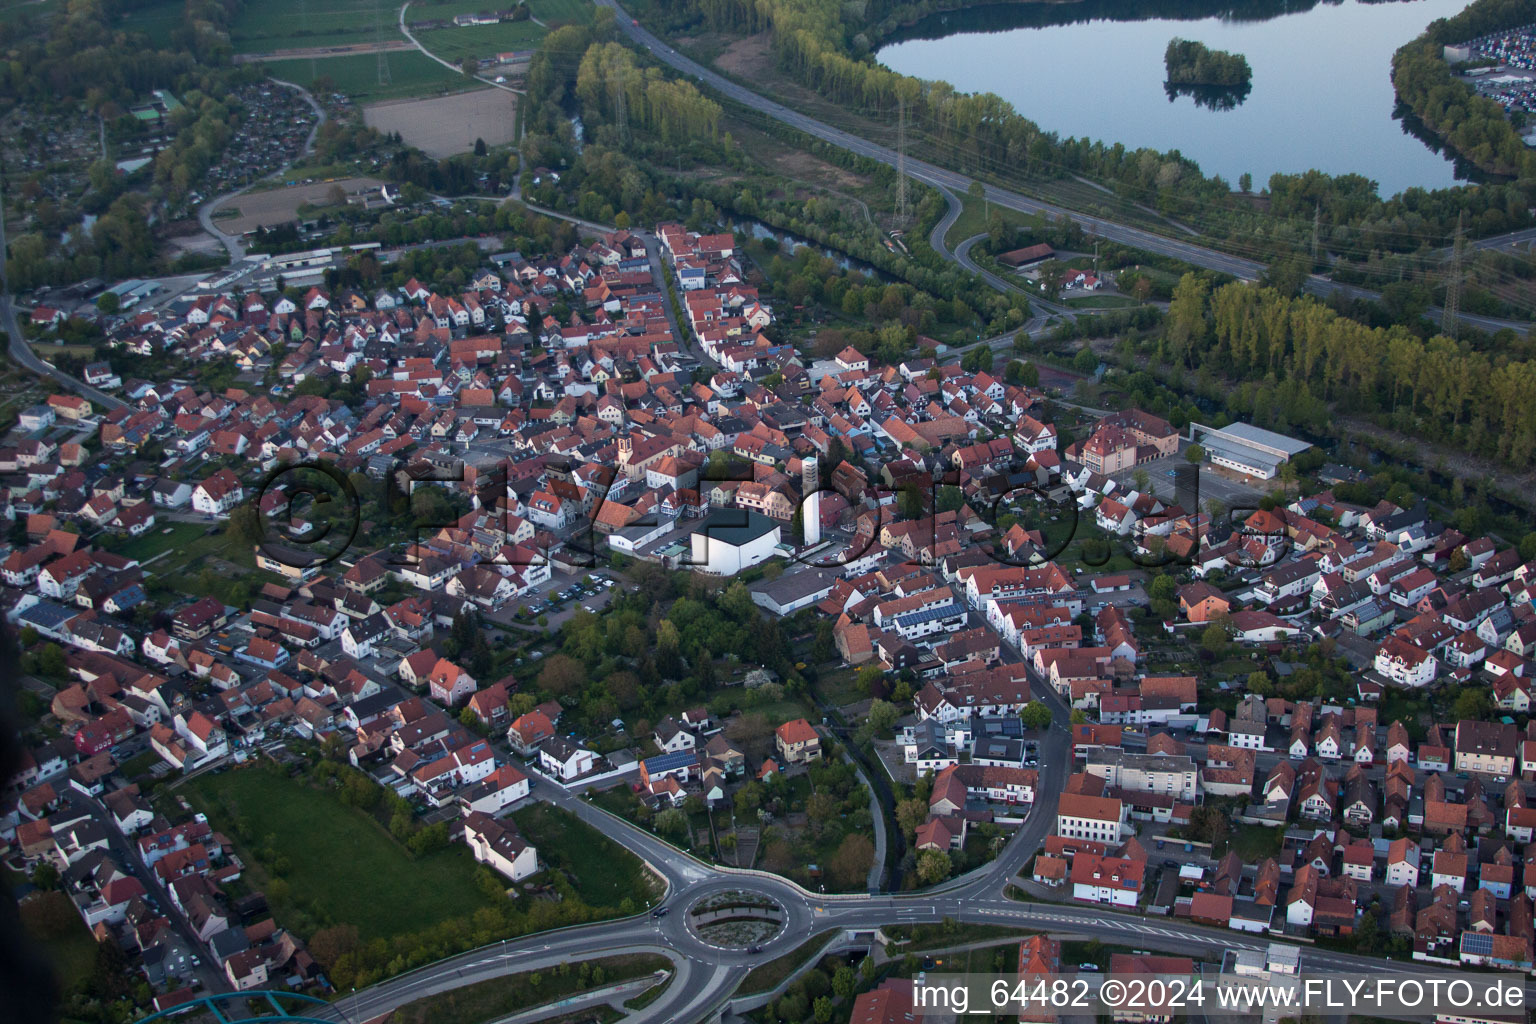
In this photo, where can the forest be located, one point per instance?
(608, 80)
(1436, 388)
(1193, 63)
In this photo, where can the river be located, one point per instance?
(1321, 94)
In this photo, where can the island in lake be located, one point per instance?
(1191, 63)
(1213, 78)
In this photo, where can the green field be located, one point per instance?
(342, 867)
(410, 74)
(601, 870)
(15, 11)
(286, 24)
(161, 537)
(51, 919)
(156, 20)
(973, 219)
(553, 12)
(1101, 302)
(454, 44)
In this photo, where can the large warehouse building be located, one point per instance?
(1250, 450)
(731, 540)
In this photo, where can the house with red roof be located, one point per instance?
(797, 742)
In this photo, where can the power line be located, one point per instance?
(378, 41)
(901, 161)
(1449, 316)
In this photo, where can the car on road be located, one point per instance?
(1087, 967)
(754, 949)
(659, 912)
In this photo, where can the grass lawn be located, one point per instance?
(410, 74)
(552, 12)
(500, 997)
(973, 219)
(51, 919)
(342, 867)
(982, 960)
(1072, 557)
(140, 765)
(769, 976)
(160, 538)
(602, 871)
(52, 350)
(943, 936)
(840, 687)
(1102, 302)
(1255, 842)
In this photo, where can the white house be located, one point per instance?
(218, 494)
(499, 845)
(563, 759)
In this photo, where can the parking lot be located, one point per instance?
(556, 600)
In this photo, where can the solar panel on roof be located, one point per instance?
(670, 762)
(927, 615)
(1477, 943)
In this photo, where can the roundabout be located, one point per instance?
(736, 919)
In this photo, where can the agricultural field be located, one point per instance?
(280, 205)
(485, 41)
(285, 24)
(550, 12)
(410, 74)
(155, 20)
(561, 12)
(446, 125)
(481, 41)
(16, 10)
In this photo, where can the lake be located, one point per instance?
(1321, 94)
